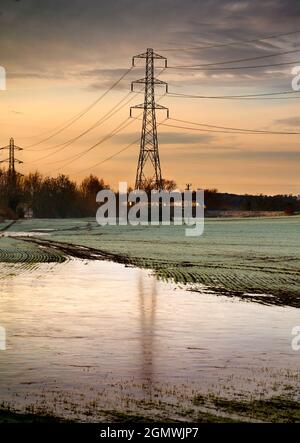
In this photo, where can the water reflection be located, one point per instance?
(147, 294)
(101, 329)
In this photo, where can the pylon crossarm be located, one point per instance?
(154, 55)
(142, 55)
(4, 161)
(158, 56)
(156, 81)
(141, 106)
(163, 108)
(140, 81)
(157, 106)
(145, 106)
(161, 82)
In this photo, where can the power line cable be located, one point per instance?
(259, 57)
(257, 98)
(203, 130)
(119, 128)
(208, 130)
(116, 153)
(131, 118)
(82, 113)
(224, 97)
(110, 157)
(236, 42)
(98, 123)
(72, 139)
(271, 65)
(227, 130)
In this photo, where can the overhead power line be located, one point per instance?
(75, 157)
(74, 138)
(227, 62)
(82, 113)
(225, 97)
(114, 132)
(230, 68)
(110, 157)
(234, 43)
(103, 119)
(116, 153)
(225, 129)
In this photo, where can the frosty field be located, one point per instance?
(257, 258)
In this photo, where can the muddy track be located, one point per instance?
(78, 251)
(4, 228)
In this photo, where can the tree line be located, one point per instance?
(215, 200)
(48, 197)
(61, 197)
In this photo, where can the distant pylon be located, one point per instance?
(11, 160)
(149, 141)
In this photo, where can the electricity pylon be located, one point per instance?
(11, 160)
(149, 141)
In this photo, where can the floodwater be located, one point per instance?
(85, 337)
(25, 234)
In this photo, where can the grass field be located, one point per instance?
(274, 410)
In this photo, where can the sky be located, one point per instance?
(61, 56)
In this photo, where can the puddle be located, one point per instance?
(102, 331)
(25, 234)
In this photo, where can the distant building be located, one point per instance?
(26, 210)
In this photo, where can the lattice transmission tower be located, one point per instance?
(149, 152)
(11, 160)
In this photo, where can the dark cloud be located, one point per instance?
(291, 121)
(103, 78)
(111, 73)
(35, 75)
(269, 156)
(245, 155)
(65, 35)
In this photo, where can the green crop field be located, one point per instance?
(254, 258)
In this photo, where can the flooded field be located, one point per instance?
(143, 323)
(98, 340)
(234, 257)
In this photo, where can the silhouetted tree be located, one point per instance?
(89, 189)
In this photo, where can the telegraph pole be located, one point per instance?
(11, 160)
(149, 141)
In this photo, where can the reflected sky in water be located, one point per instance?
(109, 329)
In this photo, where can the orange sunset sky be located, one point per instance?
(60, 56)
